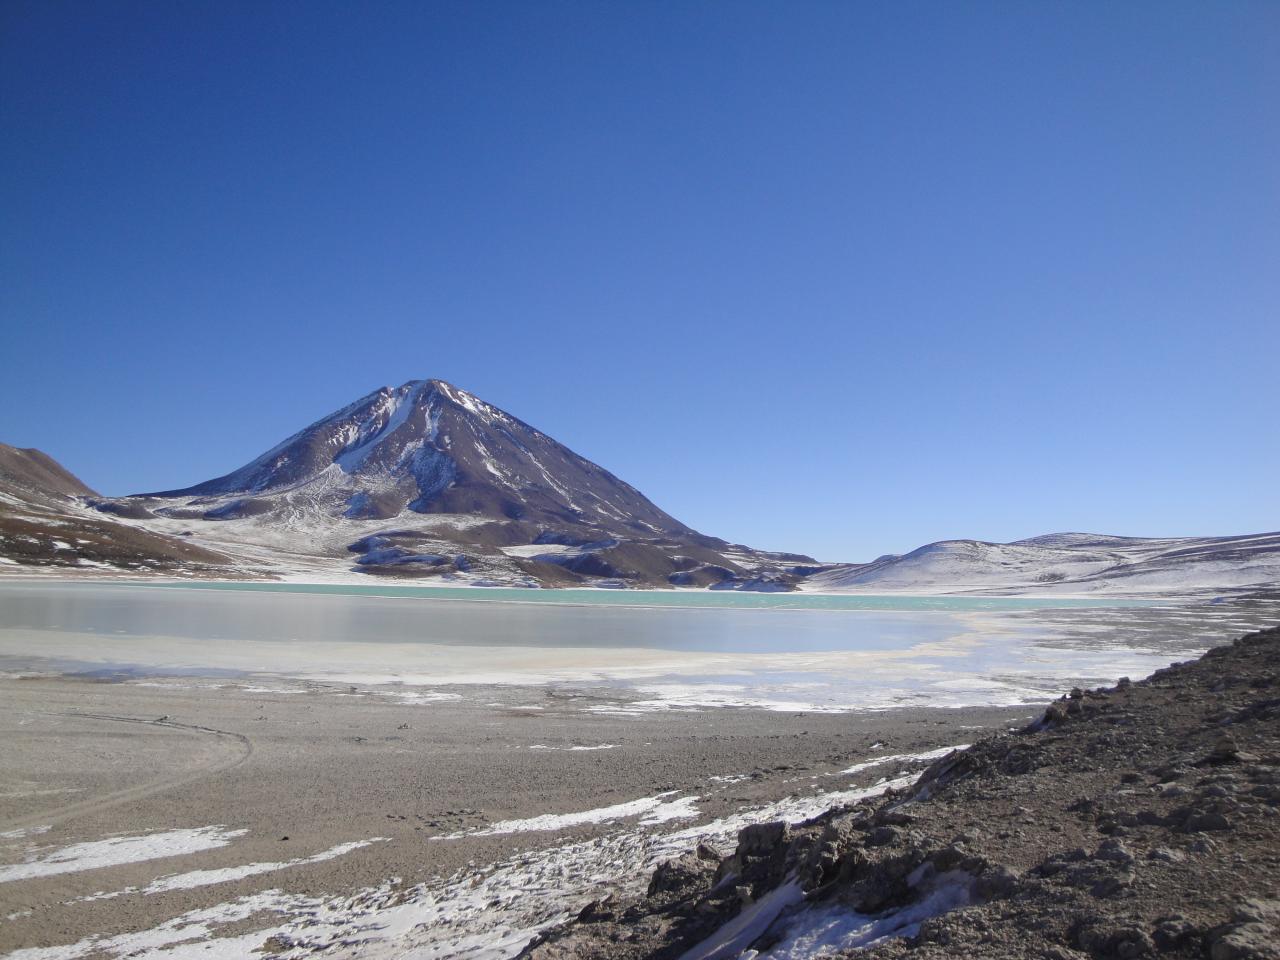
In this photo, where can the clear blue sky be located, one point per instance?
(834, 277)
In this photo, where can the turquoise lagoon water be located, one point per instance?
(812, 650)
(399, 616)
(702, 599)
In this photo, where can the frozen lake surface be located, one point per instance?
(649, 650)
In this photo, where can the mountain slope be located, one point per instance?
(46, 525)
(29, 473)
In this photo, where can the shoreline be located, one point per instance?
(639, 657)
(1086, 601)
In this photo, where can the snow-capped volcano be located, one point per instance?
(428, 447)
(427, 480)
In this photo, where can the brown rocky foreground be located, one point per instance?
(1142, 820)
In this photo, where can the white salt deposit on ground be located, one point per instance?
(903, 758)
(94, 854)
(651, 809)
(203, 878)
(575, 748)
(487, 913)
(825, 930)
(479, 914)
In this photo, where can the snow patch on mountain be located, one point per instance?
(1065, 563)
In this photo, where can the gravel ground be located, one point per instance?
(304, 768)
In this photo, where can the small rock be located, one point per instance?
(760, 839)
(1114, 851)
(1113, 885)
(1205, 822)
(1225, 751)
(1256, 910)
(601, 909)
(679, 875)
(999, 881)
(705, 851)
(881, 836)
(1174, 931)
(1243, 941)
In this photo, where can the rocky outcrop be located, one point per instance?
(1137, 821)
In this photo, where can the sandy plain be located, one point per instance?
(283, 775)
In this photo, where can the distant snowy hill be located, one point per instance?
(1065, 563)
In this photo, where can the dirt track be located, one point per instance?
(240, 749)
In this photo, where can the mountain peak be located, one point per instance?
(428, 446)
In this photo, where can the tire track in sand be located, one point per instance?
(241, 750)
